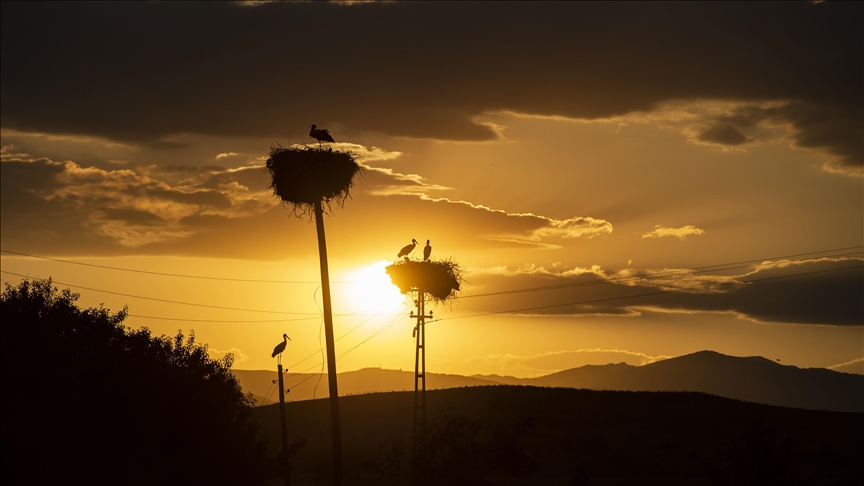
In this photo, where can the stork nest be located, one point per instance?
(440, 280)
(303, 176)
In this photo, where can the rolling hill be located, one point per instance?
(521, 435)
(752, 379)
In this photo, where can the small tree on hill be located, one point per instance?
(88, 401)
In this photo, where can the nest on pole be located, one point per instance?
(303, 176)
(440, 280)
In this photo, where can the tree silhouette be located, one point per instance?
(89, 401)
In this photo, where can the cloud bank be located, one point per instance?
(170, 68)
(822, 291)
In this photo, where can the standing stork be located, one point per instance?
(280, 347)
(407, 248)
(320, 134)
(427, 251)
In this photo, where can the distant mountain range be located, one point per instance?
(751, 379)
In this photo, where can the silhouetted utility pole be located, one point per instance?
(305, 179)
(331, 350)
(419, 442)
(285, 459)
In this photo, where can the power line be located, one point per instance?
(384, 328)
(718, 267)
(164, 274)
(107, 267)
(169, 301)
(389, 323)
(550, 306)
(317, 315)
(380, 330)
(240, 321)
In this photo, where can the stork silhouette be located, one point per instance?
(277, 351)
(320, 134)
(427, 251)
(407, 248)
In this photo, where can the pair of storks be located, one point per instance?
(409, 248)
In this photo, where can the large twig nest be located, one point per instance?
(438, 279)
(303, 176)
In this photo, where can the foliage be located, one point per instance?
(87, 400)
(389, 466)
(761, 457)
(506, 451)
(303, 176)
(452, 454)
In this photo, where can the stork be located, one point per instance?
(320, 134)
(427, 251)
(407, 248)
(280, 347)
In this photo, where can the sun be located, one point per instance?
(371, 289)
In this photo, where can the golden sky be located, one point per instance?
(684, 176)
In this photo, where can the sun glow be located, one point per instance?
(372, 289)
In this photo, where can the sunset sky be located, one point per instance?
(685, 176)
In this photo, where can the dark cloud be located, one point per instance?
(29, 222)
(814, 292)
(723, 134)
(833, 128)
(142, 71)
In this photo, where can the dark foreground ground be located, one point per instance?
(511, 435)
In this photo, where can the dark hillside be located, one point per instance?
(754, 379)
(635, 438)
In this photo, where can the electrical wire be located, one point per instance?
(269, 392)
(164, 274)
(337, 340)
(718, 267)
(212, 321)
(704, 269)
(169, 301)
(383, 328)
(193, 304)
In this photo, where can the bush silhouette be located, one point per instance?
(89, 401)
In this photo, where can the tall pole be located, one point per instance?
(419, 442)
(285, 460)
(331, 350)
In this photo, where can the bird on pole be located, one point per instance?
(427, 251)
(281, 346)
(407, 248)
(320, 134)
